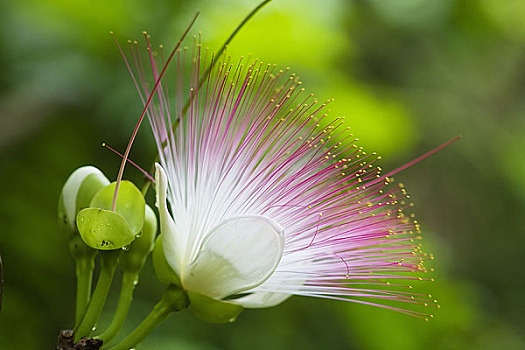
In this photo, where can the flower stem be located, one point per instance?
(84, 273)
(173, 299)
(129, 280)
(108, 262)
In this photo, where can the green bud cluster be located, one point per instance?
(124, 236)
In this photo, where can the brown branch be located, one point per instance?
(66, 341)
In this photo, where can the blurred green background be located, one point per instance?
(407, 74)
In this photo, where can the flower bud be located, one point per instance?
(79, 189)
(134, 258)
(105, 229)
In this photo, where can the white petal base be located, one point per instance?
(237, 255)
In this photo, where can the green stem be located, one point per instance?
(147, 183)
(84, 272)
(108, 262)
(129, 280)
(173, 299)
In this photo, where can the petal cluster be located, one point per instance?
(263, 204)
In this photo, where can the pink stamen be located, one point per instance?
(346, 264)
(250, 142)
(415, 161)
(146, 106)
(150, 178)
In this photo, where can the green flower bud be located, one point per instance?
(134, 258)
(211, 310)
(130, 203)
(104, 229)
(164, 272)
(79, 189)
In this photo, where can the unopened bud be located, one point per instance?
(104, 229)
(79, 189)
(134, 258)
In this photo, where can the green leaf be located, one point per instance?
(211, 310)
(130, 203)
(104, 229)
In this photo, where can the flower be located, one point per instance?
(263, 203)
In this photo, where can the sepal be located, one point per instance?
(174, 298)
(104, 229)
(130, 203)
(212, 310)
(164, 272)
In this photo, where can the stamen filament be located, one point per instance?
(206, 74)
(148, 176)
(146, 106)
(415, 161)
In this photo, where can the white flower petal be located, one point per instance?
(173, 250)
(238, 254)
(261, 299)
